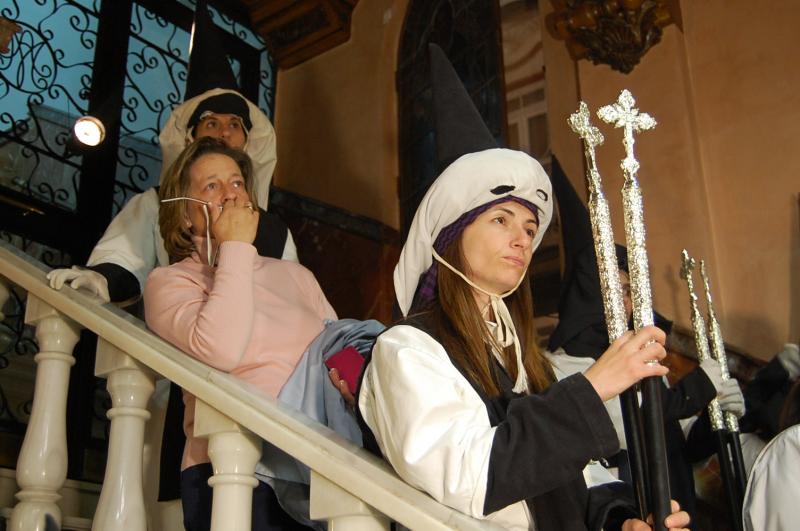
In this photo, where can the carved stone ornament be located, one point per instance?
(613, 32)
(7, 30)
(297, 30)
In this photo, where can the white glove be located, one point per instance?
(731, 398)
(78, 277)
(790, 359)
(714, 372)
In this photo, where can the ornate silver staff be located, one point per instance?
(700, 338)
(718, 353)
(623, 114)
(714, 411)
(611, 289)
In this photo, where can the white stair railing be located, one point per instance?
(350, 488)
(121, 503)
(42, 463)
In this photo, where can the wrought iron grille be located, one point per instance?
(155, 83)
(45, 81)
(44, 84)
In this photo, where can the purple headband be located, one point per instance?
(426, 289)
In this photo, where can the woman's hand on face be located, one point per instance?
(677, 521)
(625, 362)
(238, 221)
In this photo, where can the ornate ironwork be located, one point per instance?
(15, 337)
(158, 53)
(43, 91)
(47, 255)
(45, 83)
(610, 32)
(17, 345)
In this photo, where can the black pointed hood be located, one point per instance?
(581, 329)
(458, 124)
(208, 65)
(576, 227)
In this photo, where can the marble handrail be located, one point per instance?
(342, 470)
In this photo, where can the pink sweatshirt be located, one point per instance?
(250, 316)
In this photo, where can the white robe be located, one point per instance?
(433, 427)
(772, 498)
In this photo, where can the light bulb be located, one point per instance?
(89, 130)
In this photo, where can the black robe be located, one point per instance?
(568, 422)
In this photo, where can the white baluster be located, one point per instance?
(342, 510)
(121, 503)
(234, 452)
(42, 463)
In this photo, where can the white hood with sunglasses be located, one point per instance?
(261, 145)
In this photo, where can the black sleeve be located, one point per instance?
(546, 440)
(764, 398)
(688, 397)
(122, 284)
(609, 506)
(700, 443)
(270, 235)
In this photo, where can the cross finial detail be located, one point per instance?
(623, 114)
(580, 123)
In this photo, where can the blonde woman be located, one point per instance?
(223, 304)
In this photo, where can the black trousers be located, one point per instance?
(196, 497)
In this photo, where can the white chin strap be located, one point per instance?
(212, 259)
(505, 332)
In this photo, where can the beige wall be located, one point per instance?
(717, 173)
(336, 118)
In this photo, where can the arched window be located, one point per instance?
(469, 33)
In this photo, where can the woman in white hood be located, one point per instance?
(458, 397)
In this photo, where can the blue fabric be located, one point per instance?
(310, 391)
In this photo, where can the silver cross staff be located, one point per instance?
(731, 422)
(717, 345)
(600, 216)
(623, 114)
(611, 291)
(700, 337)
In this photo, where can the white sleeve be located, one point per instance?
(130, 239)
(770, 502)
(429, 423)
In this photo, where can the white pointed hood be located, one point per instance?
(261, 144)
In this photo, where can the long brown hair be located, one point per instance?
(459, 325)
(172, 216)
